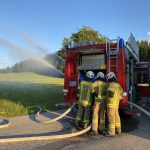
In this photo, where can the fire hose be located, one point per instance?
(55, 113)
(139, 108)
(51, 137)
(7, 122)
(57, 118)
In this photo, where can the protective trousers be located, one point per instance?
(98, 118)
(83, 113)
(114, 125)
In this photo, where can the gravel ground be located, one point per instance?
(135, 136)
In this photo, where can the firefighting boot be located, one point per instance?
(108, 135)
(93, 133)
(77, 124)
(85, 125)
(118, 131)
(102, 131)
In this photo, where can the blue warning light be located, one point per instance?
(121, 43)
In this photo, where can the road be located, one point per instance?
(135, 136)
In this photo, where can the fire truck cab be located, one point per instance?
(115, 55)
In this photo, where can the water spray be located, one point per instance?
(34, 44)
(26, 53)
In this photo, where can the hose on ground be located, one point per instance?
(58, 114)
(7, 121)
(57, 118)
(51, 137)
(6, 124)
(139, 108)
(37, 138)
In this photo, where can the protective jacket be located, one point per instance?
(85, 93)
(84, 106)
(114, 95)
(99, 87)
(99, 109)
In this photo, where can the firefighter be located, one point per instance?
(85, 101)
(114, 95)
(99, 108)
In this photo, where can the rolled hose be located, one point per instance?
(139, 108)
(7, 124)
(37, 138)
(57, 118)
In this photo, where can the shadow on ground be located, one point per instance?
(129, 123)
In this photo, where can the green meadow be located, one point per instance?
(22, 93)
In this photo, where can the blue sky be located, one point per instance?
(47, 21)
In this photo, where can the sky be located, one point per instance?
(47, 22)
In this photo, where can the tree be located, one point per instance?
(86, 34)
(65, 42)
(144, 50)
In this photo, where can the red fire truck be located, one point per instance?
(115, 55)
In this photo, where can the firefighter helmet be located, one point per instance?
(111, 75)
(90, 74)
(100, 75)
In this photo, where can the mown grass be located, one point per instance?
(21, 92)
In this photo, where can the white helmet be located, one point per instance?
(111, 75)
(100, 75)
(90, 74)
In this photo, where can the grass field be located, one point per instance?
(20, 92)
